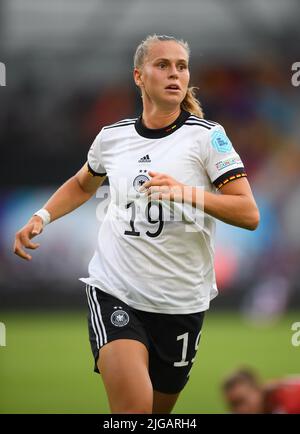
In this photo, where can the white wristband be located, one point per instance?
(45, 216)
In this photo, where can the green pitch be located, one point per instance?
(47, 364)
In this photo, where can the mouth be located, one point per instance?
(173, 88)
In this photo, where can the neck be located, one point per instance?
(158, 117)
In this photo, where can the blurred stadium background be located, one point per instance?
(68, 66)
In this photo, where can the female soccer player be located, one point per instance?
(152, 275)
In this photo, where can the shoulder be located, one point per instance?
(200, 123)
(113, 131)
(117, 129)
(205, 131)
(120, 124)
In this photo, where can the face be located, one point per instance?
(244, 399)
(165, 76)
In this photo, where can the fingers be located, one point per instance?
(157, 179)
(156, 192)
(153, 181)
(157, 175)
(31, 245)
(20, 252)
(158, 189)
(23, 238)
(163, 187)
(151, 173)
(36, 229)
(166, 193)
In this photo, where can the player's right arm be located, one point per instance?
(73, 193)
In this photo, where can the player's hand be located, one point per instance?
(23, 236)
(163, 187)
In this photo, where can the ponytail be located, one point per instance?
(191, 103)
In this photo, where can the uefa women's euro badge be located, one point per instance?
(221, 142)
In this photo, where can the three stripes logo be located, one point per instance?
(145, 159)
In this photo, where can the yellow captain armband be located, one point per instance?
(230, 178)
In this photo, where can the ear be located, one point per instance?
(137, 77)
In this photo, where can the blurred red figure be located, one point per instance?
(283, 396)
(245, 394)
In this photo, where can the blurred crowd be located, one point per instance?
(259, 108)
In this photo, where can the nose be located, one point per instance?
(173, 73)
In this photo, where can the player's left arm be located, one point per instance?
(235, 205)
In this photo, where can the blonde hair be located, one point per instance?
(190, 102)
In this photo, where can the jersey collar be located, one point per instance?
(158, 133)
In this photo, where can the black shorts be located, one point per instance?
(172, 340)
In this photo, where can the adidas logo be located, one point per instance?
(145, 159)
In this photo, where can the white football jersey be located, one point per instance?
(158, 256)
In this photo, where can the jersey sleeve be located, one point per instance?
(94, 158)
(223, 164)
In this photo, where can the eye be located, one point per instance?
(182, 66)
(161, 65)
